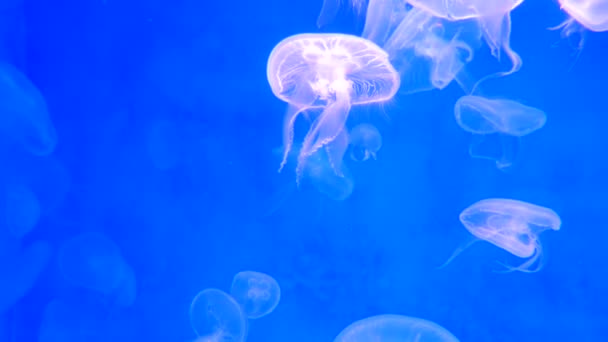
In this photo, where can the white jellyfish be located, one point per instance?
(512, 225)
(390, 328)
(215, 316)
(257, 293)
(583, 15)
(508, 119)
(328, 73)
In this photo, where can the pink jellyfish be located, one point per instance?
(330, 73)
(583, 15)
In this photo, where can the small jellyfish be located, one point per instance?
(216, 317)
(93, 261)
(508, 120)
(511, 225)
(327, 73)
(394, 328)
(365, 141)
(25, 119)
(257, 293)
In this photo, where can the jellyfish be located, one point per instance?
(511, 225)
(257, 293)
(216, 316)
(583, 15)
(365, 141)
(330, 9)
(508, 120)
(327, 73)
(395, 328)
(93, 261)
(25, 118)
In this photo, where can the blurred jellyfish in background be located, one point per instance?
(327, 73)
(94, 262)
(215, 317)
(508, 120)
(395, 328)
(257, 293)
(364, 142)
(512, 225)
(25, 119)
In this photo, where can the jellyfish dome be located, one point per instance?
(215, 316)
(592, 14)
(257, 293)
(365, 141)
(393, 328)
(511, 225)
(328, 72)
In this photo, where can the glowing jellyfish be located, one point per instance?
(508, 119)
(389, 328)
(511, 225)
(365, 141)
(330, 73)
(216, 317)
(25, 119)
(257, 293)
(583, 15)
(93, 261)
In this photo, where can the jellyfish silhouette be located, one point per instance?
(257, 293)
(512, 225)
(394, 328)
(508, 120)
(216, 316)
(25, 119)
(330, 73)
(364, 141)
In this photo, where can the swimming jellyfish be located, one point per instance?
(217, 317)
(257, 293)
(25, 119)
(583, 15)
(365, 141)
(394, 328)
(508, 119)
(511, 225)
(328, 73)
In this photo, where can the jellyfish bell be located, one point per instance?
(257, 293)
(504, 119)
(394, 328)
(591, 14)
(331, 73)
(511, 225)
(215, 316)
(365, 141)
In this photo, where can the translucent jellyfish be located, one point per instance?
(331, 7)
(494, 18)
(365, 141)
(92, 261)
(257, 293)
(509, 120)
(327, 73)
(428, 52)
(387, 328)
(511, 225)
(216, 317)
(583, 15)
(25, 119)
(20, 210)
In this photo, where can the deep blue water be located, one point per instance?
(167, 136)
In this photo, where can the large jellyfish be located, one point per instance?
(583, 15)
(257, 293)
(511, 225)
(327, 72)
(507, 119)
(394, 328)
(25, 119)
(364, 141)
(217, 317)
